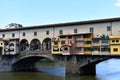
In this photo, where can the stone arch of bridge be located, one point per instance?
(46, 44)
(35, 44)
(27, 63)
(89, 66)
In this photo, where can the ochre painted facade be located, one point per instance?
(114, 45)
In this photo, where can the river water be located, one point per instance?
(107, 70)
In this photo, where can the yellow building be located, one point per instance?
(55, 46)
(87, 42)
(114, 45)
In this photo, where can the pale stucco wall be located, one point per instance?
(99, 29)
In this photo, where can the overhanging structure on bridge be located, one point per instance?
(78, 45)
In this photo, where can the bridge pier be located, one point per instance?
(82, 65)
(59, 60)
(88, 70)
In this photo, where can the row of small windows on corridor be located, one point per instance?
(24, 34)
(91, 29)
(35, 33)
(60, 31)
(13, 35)
(108, 28)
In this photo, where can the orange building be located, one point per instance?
(74, 44)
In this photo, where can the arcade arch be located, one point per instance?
(24, 45)
(46, 44)
(35, 45)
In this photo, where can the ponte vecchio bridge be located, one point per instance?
(77, 45)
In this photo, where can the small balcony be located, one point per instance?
(88, 52)
(95, 52)
(79, 52)
(87, 39)
(62, 39)
(79, 45)
(71, 39)
(66, 52)
(87, 45)
(105, 53)
(102, 44)
(79, 39)
(96, 44)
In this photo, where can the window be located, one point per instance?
(62, 36)
(96, 49)
(115, 49)
(11, 44)
(105, 49)
(13, 34)
(79, 36)
(78, 49)
(87, 49)
(66, 48)
(91, 29)
(87, 36)
(24, 34)
(117, 41)
(6, 43)
(35, 33)
(78, 42)
(3, 35)
(113, 41)
(87, 42)
(60, 31)
(108, 28)
(95, 41)
(62, 42)
(69, 37)
(75, 31)
(47, 32)
(105, 41)
(55, 42)
(55, 49)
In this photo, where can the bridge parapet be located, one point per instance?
(46, 54)
(30, 51)
(25, 53)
